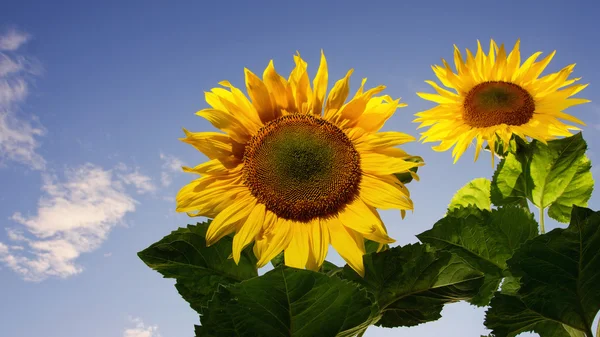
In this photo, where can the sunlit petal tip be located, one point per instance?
(225, 83)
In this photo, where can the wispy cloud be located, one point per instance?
(141, 182)
(18, 136)
(13, 40)
(140, 329)
(170, 165)
(74, 216)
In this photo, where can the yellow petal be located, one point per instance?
(300, 85)
(296, 253)
(383, 195)
(228, 123)
(212, 167)
(248, 231)
(279, 89)
(380, 164)
(278, 241)
(443, 92)
(377, 112)
(247, 117)
(338, 94)
(356, 107)
(202, 194)
(243, 102)
(436, 98)
(382, 140)
(259, 94)
(320, 86)
(359, 217)
(348, 244)
(224, 223)
(513, 61)
(212, 144)
(319, 242)
(538, 67)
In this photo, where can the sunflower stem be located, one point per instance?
(542, 228)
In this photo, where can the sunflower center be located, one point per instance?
(495, 103)
(302, 167)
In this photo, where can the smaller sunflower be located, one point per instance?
(494, 97)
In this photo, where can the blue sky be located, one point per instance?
(93, 98)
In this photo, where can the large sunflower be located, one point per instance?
(292, 179)
(495, 97)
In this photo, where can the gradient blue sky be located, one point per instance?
(93, 98)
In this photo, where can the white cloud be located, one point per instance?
(140, 329)
(18, 137)
(170, 164)
(142, 182)
(165, 179)
(109, 254)
(74, 216)
(12, 40)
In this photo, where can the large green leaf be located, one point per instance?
(412, 283)
(560, 282)
(578, 192)
(476, 192)
(288, 302)
(484, 240)
(556, 175)
(199, 270)
(509, 316)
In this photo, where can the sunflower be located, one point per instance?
(295, 173)
(494, 97)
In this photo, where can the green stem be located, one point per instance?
(598, 330)
(542, 228)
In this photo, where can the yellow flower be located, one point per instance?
(292, 179)
(494, 97)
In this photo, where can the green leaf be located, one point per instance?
(484, 240)
(556, 175)
(476, 192)
(553, 167)
(511, 179)
(508, 316)
(330, 268)
(560, 281)
(288, 302)
(278, 260)
(510, 285)
(199, 270)
(578, 192)
(412, 283)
